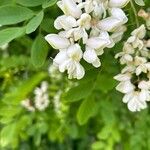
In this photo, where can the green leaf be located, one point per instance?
(10, 34)
(30, 3)
(49, 3)
(24, 89)
(105, 82)
(79, 92)
(140, 2)
(98, 145)
(86, 110)
(7, 134)
(34, 23)
(48, 25)
(14, 14)
(9, 111)
(39, 51)
(5, 2)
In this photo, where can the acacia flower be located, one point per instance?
(135, 76)
(87, 28)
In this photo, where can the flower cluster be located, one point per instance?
(92, 24)
(135, 76)
(41, 98)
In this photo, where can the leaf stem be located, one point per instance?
(135, 13)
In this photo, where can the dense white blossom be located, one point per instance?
(94, 24)
(41, 96)
(135, 76)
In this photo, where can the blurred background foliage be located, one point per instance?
(91, 114)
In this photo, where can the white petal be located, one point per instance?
(119, 14)
(125, 87)
(96, 63)
(132, 105)
(69, 7)
(109, 24)
(136, 105)
(74, 52)
(105, 36)
(80, 72)
(144, 95)
(63, 65)
(65, 22)
(89, 55)
(144, 85)
(96, 43)
(123, 77)
(57, 42)
(118, 3)
(60, 58)
(139, 32)
(127, 97)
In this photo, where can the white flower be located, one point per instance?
(70, 8)
(91, 57)
(135, 85)
(123, 77)
(86, 23)
(134, 103)
(57, 41)
(69, 60)
(136, 37)
(109, 24)
(118, 3)
(41, 96)
(57, 102)
(118, 33)
(65, 22)
(96, 7)
(125, 86)
(117, 19)
(95, 46)
(139, 32)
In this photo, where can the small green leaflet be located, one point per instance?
(30, 3)
(39, 51)
(49, 3)
(140, 2)
(79, 92)
(34, 23)
(86, 110)
(9, 34)
(14, 14)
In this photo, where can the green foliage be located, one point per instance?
(86, 110)
(34, 23)
(140, 2)
(49, 3)
(79, 92)
(39, 51)
(9, 34)
(29, 3)
(14, 14)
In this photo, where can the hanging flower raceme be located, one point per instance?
(135, 76)
(41, 99)
(94, 24)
